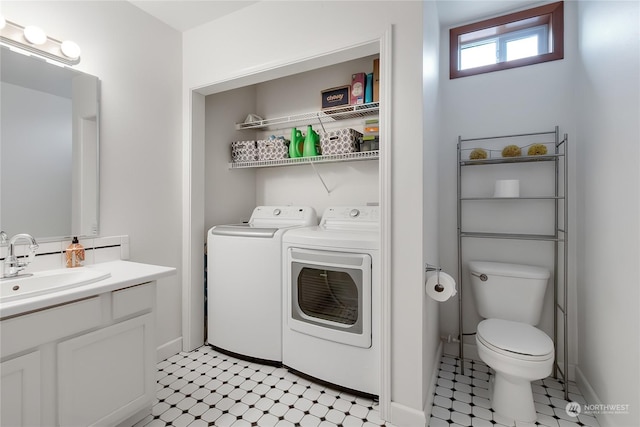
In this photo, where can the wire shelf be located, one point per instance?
(519, 159)
(515, 198)
(511, 236)
(332, 158)
(337, 113)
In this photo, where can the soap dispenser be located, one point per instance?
(75, 254)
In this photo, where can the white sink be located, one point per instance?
(45, 282)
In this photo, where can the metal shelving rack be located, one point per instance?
(559, 237)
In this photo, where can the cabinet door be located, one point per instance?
(20, 391)
(108, 375)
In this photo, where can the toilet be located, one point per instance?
(510, 298)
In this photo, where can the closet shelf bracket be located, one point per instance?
(320, 177)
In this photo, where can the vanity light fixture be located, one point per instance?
(34, 40)
(35, 35)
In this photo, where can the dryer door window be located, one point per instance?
(330, 295)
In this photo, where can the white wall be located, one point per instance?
(431, 180)
(278, 34)
(528, 99)
(137, 59)
(608, 107)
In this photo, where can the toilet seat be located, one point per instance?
(515, 339)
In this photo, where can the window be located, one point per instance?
(515, 40)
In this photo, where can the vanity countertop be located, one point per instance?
(123, 274)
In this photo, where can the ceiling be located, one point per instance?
(184, 15)
(187, 14)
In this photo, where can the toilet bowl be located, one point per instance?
(510, 298)
(518, 354)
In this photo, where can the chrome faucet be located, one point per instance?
(12, 266)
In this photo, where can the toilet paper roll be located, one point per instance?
(507, 188)
(440, 286)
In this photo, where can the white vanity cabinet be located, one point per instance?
(85, 362)
(20, 391)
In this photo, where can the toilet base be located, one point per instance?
(512, 398)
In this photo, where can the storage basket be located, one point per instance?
(244, 151)
(340, 141)
(273, 149)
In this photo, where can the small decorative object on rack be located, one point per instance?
(511, 151)
(537, 150)
(478, 153)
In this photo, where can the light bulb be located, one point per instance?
(70, 49)
(34, 35)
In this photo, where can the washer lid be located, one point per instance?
(243, 230)
(515, 337)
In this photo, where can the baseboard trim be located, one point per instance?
(403, 416)
(169, 349)
(592, 398)
(428, 403)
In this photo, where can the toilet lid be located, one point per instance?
(515, 337)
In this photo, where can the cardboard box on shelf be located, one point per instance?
(357, 88)
(336, 97)
(376, 80)
(244, 151)
(273, 149)
(339, 141)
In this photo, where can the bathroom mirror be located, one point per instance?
(49, 131)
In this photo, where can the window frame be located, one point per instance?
(551, 14)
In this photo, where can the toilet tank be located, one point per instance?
(508, 291)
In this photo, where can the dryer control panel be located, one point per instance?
(351, 218)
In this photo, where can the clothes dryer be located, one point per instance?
(244, 280)
(331, 328)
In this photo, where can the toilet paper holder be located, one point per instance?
(430, 268)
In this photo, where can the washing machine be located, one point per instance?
(244, 281)
(331, 328)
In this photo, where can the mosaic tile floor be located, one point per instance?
(463, 400)
(207, 388)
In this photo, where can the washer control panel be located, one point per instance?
(284, 215)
